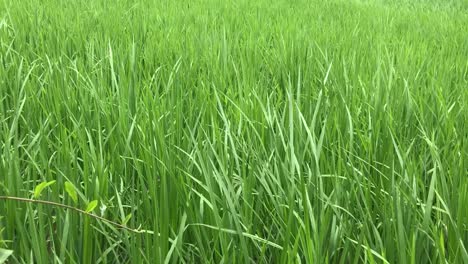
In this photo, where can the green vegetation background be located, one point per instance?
(235, 131)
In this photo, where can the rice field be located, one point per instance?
(233, 131)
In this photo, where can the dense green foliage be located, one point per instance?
(234, 131)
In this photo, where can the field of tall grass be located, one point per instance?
(234, 131)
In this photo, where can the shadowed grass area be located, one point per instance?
(234, 131)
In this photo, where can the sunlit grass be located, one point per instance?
(234, 131)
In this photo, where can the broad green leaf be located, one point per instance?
(91, 206)
(127, 218)
(71, 190)
(4, 254)
(40, 187)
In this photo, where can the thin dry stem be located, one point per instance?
(26, 200)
